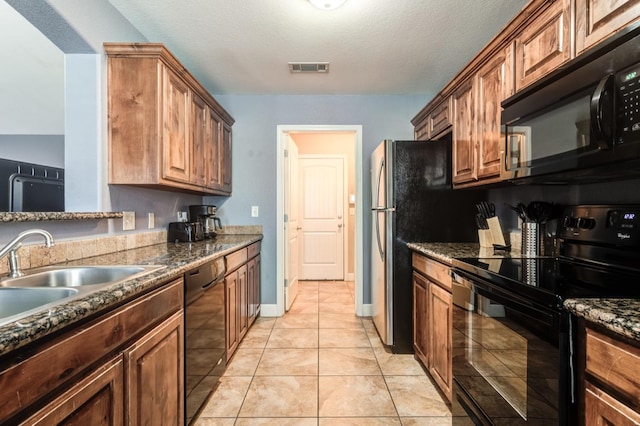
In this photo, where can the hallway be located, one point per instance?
(321, 365)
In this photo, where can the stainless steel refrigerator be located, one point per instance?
(412, 201)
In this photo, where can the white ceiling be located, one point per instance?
(373, 46)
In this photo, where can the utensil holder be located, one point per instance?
(530, 239)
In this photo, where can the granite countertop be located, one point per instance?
(446, 252)
(176, 257)
(617, 315)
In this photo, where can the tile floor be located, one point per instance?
(321, 365)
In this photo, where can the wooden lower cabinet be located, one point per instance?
(253, 285)
(433, 320)
(440, 320)
(609, 386)
(242, 294)
(124, 367)
(420, 318)
(155, 376)
(601, 409)
(95, 400)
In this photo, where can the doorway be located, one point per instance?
(316, 147)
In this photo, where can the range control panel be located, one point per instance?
(604, 224)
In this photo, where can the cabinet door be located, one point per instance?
(601, 409)
(491, 91)
(256, 285)
(440, 337)
(231, 312)
(199, 141)
(214, 150)
(155, 375)
(421, 131)
(420, 318)
(176, 144)
(243, 303)
(440, 118)
(252, 289)
(226, 158)
(544, 44)
(96, 400)
(597, 20)
(464, 169)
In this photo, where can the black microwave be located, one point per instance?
(579, 124)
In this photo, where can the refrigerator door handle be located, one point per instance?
(380, 250)
(379, 180)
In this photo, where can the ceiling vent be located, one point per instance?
(308, 67)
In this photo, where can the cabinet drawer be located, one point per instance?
(235, 259)
(613, 362)
(434, 270)
(253, 250)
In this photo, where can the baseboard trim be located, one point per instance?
(351, 276)
(269, 310)
(366, 310)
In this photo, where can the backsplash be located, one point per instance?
(36, 254)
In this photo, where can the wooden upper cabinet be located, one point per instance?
(464, 142)
(199, 140)
(597, 20)
(493, 88)
(176, 138)
(165, 129)
(214, 150)
(226, 157)
(544, 44)
(440, 118)
(421, 130)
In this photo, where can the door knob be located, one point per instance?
(339, 225)
(298, 228)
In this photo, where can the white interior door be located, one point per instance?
(322, 192)
(292, 225)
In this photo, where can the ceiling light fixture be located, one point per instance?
(327, 4)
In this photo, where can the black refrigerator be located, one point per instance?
(412, 201)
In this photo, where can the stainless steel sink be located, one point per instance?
(15, 301)
(51, 286)
(72, 276)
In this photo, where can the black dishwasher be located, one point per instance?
(205, 358)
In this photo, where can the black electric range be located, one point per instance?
(512, 358)
(599, 256)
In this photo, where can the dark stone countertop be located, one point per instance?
(619, 316)
(176, 257)
(446, 252)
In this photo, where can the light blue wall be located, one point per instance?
(255, 146)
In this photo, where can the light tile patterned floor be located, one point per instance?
(320, 365)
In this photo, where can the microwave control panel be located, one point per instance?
(628, 85)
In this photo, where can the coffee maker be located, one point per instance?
(206, 215)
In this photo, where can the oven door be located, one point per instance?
(508, 358)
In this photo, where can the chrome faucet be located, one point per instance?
(12, 249)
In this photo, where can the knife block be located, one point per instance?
(484, 236)
(495, 229)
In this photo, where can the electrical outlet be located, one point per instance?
(255, 211)
(182, 216)
(128, 221)
(152, 220)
